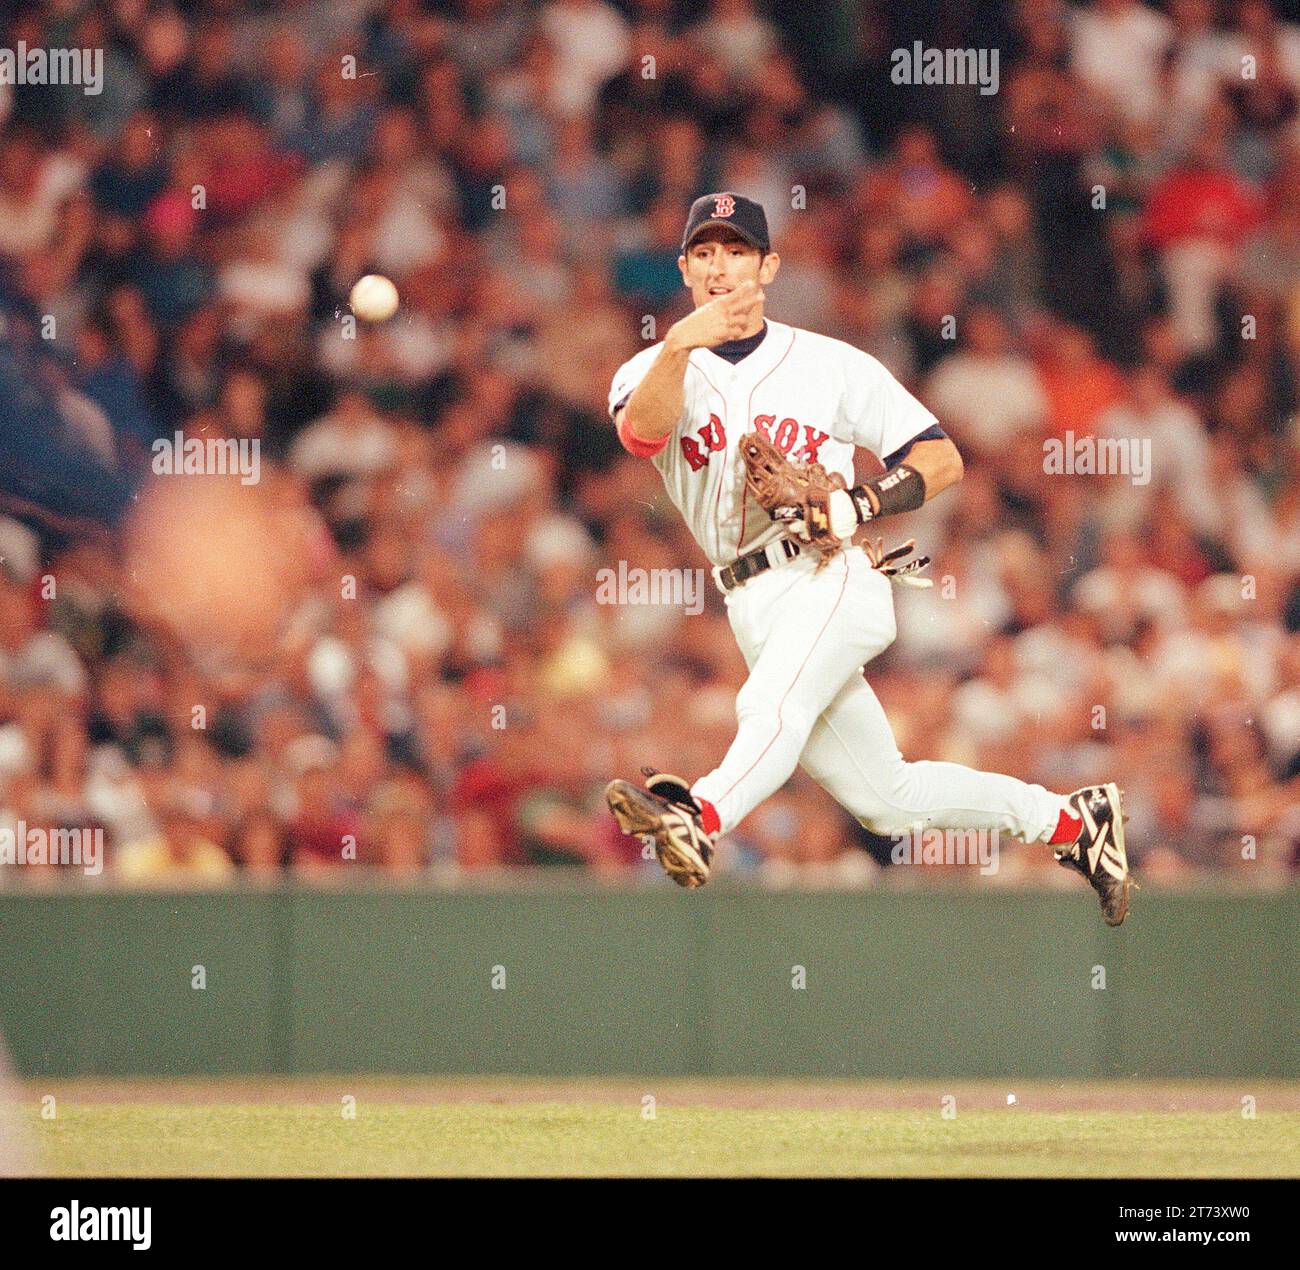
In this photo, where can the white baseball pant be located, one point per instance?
(805, 636)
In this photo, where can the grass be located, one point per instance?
(586, 1139)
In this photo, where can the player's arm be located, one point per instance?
(656, 403)
(876, 412)
(926, 467)
(654, 407)
(913, 475)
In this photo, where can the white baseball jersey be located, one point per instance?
(816, 398)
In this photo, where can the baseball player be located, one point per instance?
(808, 609)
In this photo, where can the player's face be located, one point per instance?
(718, 261)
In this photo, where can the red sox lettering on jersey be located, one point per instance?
(712, 437)
(814, 397)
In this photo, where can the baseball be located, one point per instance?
(373, 298)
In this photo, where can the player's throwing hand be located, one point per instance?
(727, 317)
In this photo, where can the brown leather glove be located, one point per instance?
(796, 495)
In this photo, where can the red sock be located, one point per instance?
(1068, 829)
(709, 815)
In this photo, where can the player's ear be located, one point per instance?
(767, 270)
(681, 265)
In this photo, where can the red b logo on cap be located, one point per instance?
(724, 205)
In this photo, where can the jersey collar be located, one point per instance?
(735, 351)
(771, 350)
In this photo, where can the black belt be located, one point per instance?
(751, 565)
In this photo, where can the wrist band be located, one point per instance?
(901, 489)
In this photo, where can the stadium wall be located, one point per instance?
(918, 985)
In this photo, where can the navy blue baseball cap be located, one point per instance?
(734, 211)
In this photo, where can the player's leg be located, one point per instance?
(852, 754)
(803, 633)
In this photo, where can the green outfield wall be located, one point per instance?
(920, 985)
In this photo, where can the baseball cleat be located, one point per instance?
(1099, 853)
(665, 816)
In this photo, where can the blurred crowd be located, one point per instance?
(390, 649)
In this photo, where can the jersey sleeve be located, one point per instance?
(875, 410)
(626, 378)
